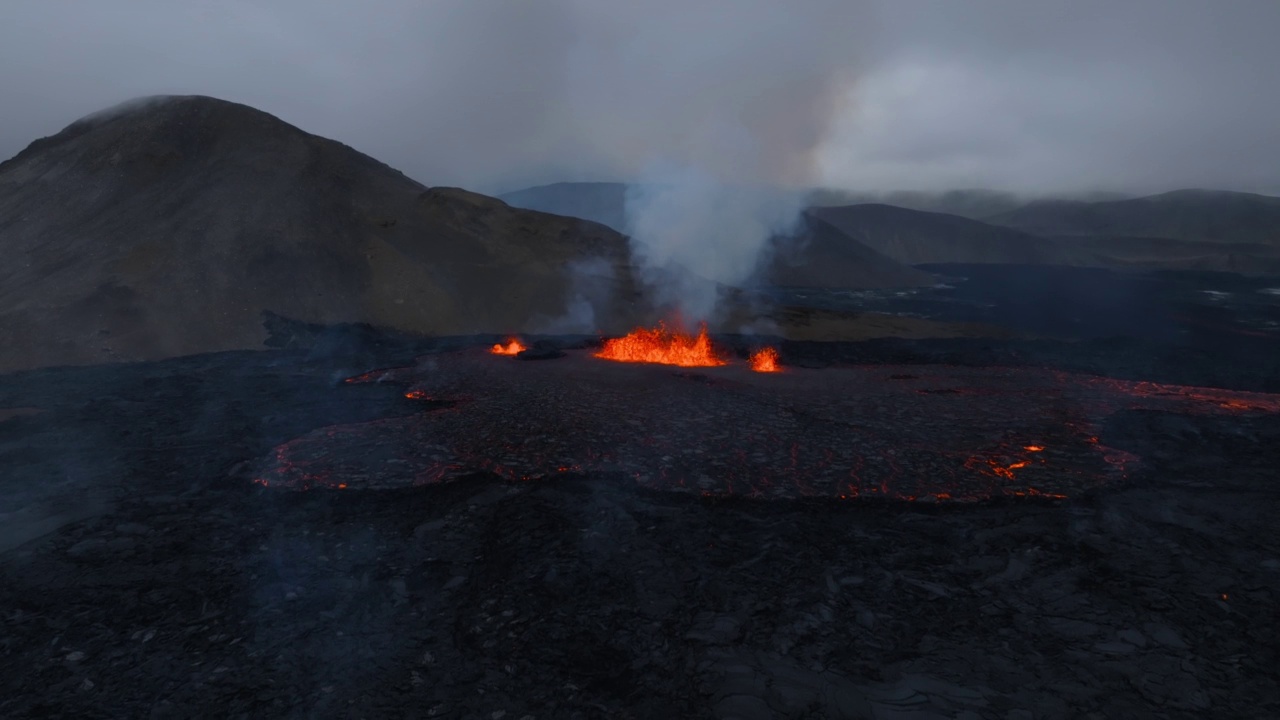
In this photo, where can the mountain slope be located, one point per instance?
(602, 202)
(1205, 215)
(822, 255)
(973, 204)
(915, 237)
(168, 227)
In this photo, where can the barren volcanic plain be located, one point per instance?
(954, 528)
(933, 433)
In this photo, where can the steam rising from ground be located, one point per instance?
(691, 235)
(737, 124)
(591, 281)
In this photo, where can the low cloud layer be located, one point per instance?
(1036, 97)
(1138, 96)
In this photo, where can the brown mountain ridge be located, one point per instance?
(169, 227)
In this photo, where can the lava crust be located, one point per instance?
(935, 433)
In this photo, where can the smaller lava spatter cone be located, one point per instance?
(766, 361)
(513, 347)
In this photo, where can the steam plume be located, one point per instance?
(691, 234)
(742, 121)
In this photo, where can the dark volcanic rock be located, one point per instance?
(585, 595)
(541, 350)
(940, 432)
(975, 204)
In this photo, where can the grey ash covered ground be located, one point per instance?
(144, 574)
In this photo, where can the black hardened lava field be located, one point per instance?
(378, 526)
(926, 432)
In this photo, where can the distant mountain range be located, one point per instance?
(1200, 215)
(972, 204)
(916, 237)
(602, 202)
(605, 202)
(1191, 229)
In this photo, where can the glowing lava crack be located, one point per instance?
(924, 432)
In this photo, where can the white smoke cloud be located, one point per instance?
(591, 282)
(692, 234)
(723, 141)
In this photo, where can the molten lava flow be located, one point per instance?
(1203, 398)
(923, 433)
(765, 361)
(662, 346)
(513, 347)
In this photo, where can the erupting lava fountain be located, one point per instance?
(661, 346)
(513, 347)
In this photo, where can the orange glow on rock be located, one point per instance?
(765, 361)
(513, 347)
(662, 346)
(1034, 448)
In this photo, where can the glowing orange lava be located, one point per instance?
(662, 346)
(765, 361)
(1006, 471)
(513, 347)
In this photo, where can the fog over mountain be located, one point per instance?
(1140, 97)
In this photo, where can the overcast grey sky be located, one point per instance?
(1033, 96)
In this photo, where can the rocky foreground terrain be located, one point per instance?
(144, 574)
